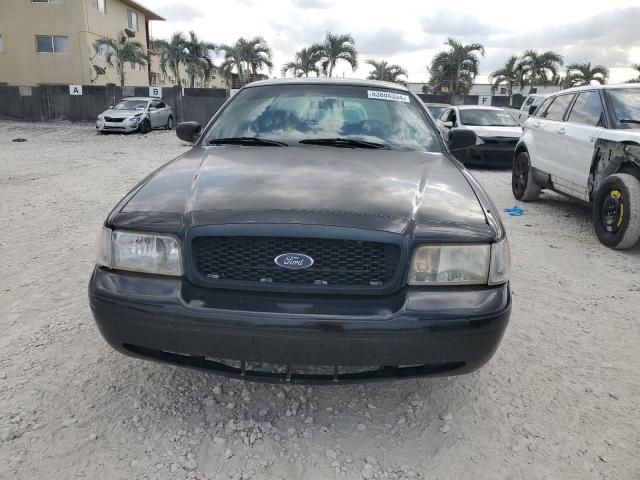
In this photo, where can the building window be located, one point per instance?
(1, 45)
(52, 44)
(103, 50)
(101, 5)
(47, 1)
(132, 20)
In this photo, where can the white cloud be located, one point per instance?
(410, 32)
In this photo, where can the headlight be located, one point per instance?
(133, 120)
(460, 264)
(139, 252)
(100, 117)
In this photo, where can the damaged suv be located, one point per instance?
(584, 142)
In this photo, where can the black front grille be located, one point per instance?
(500, 141)
(114, 119)
(337, 263)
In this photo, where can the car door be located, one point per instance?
(550, 136)
(163, 117)
(584, 125)
(155, 114)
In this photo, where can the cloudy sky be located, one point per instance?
(410, 32)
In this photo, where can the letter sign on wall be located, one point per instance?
(484, 100)
(75, 89)
(155, 92)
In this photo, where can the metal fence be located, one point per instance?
(46, 103)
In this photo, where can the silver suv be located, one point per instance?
(585, 143)
(134, 114)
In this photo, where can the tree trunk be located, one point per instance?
(192, 80)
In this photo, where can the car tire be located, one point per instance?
(523, 184)
(145, 127)
(169, 125)
(616, 211)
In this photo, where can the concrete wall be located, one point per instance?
(46, 103)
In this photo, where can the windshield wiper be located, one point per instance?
(626, 120)
(343, 143)
(249, 141)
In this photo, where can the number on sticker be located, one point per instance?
(394, 97)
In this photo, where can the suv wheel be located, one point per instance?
(169, 125)
(616, 211)
(523, 184)
(145, 127)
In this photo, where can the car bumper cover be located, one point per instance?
(415, 332)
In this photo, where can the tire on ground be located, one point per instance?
(169, 125)
(618, 197)
(145, 127)
(523, 184)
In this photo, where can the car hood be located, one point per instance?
(400, 192)
(121, 113)
(512, 132)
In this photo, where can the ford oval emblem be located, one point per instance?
(293, 261)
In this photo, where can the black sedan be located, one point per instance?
(318, 230)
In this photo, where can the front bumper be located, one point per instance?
(414, 332)
(104, 126)
(489, 154)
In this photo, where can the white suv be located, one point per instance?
(585, 142)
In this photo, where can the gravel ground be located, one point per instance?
(560, 399)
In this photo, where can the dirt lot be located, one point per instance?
(560, 400)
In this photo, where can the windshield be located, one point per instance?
(626, 105)
(131, 105)
(293, 114)
(487, 118)
(436, 110)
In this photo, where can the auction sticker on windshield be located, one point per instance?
(396, 97)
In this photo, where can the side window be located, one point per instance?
(161, 105)
(588, 110)
(543, 108)
(558, 108)
(528, 103)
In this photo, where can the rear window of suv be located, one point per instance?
(558, 108)
(626, 106)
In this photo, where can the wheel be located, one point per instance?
(523, 185)
(145, 127)
(616, 211)
(169, 125)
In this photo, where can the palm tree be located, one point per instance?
(636, 67)
(305, 62)
(539, 68)
(509, 75)
(246, 56)
(581, 73)
(121, 51)
(457, 67)
(173, 52)
(383, 71)
(198, 60)
(338, 47)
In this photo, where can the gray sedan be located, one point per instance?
(136, 114)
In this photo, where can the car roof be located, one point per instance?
(477, 107)
(599, 87)
(140, 98)
(328, 81)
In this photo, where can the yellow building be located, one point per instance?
(51, 41)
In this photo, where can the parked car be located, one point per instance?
(436, 109)
(135, 114)
(529, 106)
(497, 131)
(315, 222)
(585, 143)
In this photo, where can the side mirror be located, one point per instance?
(110, 107)
(447, 124)
(461, 138)
(188, 131)
(532, 109)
